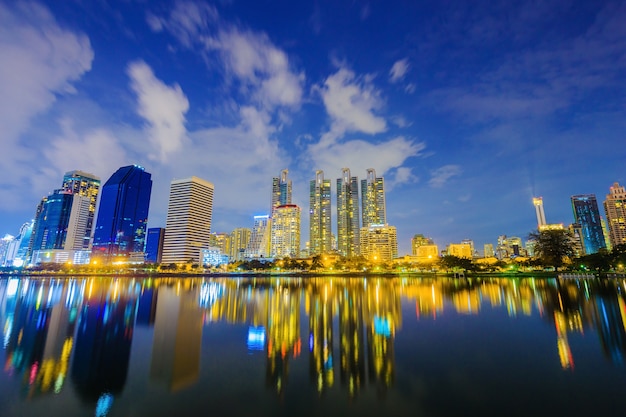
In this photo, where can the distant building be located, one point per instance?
(239, 239)
(154, 245)
(460, 250)
(541, 215)
(615, 209)
(348, 239)
(379, 242)
(188, 224)
(281, 190)
(373, 204)
(419, 240)
(587, 215)
(285, 235)
(488, 251)
(222, 241)
(320, 227)
(120, 232)
(259, 243)
(427, 253)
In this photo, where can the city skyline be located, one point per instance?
(467, 112)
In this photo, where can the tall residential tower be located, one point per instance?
(373, 199)
(281, 190)
(348, 237)
(320, 234)
(587, 217)
(615, 209)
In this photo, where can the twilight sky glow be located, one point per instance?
(468, 109)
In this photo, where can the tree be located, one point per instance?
(553, 246)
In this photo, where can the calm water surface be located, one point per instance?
(312, 347)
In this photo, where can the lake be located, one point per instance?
(312, 346)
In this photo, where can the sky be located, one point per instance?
(468, 109)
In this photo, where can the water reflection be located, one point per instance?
(85, 326)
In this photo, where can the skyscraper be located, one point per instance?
(615, 209)
(320, 234)
(188, 224)
(348, 236)
(86, 185)
(154, 244)
(259, 243)
(286, 231)
(587, 216)
(123, 215)
(373, 199)
(281, 190)
(541, 215)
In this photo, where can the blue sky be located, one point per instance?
(468, 109)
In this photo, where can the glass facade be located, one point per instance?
(587, 215)
(154, 244)
(123, 213)
(86, 185)
(50, 231)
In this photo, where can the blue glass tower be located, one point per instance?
(50, 229)
(587, 215)
(154, 245)
(123, 214)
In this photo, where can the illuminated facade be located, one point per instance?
(587, 216)
(348, 236)
(373, 200)
(615, 209)
(541, 215)
(86, 185)
(120, 231)
(239, 239)
(188, 224)
(285, 235)
(379, 242)
(460, 250)
(259, 243)
(419, 240)
(320, 234)
(281, 190)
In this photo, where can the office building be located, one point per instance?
(373, 199)
(285, 236)
(615, 209)
(348, 230)
(320, 233)
(120, 232)
(379, 242)
(188, 223)
(239, 239)
(419, 240)
(541, 215)
(281, 190)
(587, 216)
(259, 244)
(460, 250)
(154, 245)
(86, 185)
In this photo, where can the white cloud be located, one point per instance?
(187, 21)
(410, 88)
(350, 102)
(40, 61)
(399, 70)
(440, 176)
(163, 107)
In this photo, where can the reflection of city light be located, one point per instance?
(12, 287)
(210, 292)
(382, 326)
(256, 338)
(104, 404)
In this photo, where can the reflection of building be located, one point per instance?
(285, 231)
(348, 240)
(188, 224)
(379, 242)
(177, 341)
(120, 232)
(103, 339)
(352, 341)
(587, 215)
(615, 209)
(321, 358)
(320, 236)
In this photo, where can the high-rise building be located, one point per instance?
(259, 243)
(373, 199)
(587, 215)
(541, 215)
(86, 185)
(320, 234)
(281, 190)
(120, 232)
(154, 245)
(615, 209)
(379, 242)
(286, 231)
(348, 230)
(188, 223)
(239, 239)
